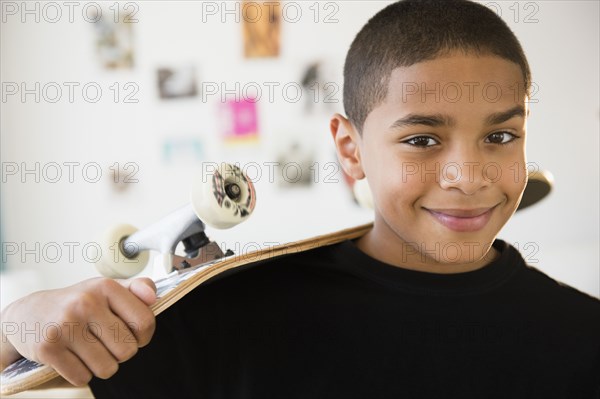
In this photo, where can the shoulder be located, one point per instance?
(275, 276)
(541, 283)
(563, 301)
(292, 268)
(536, 284)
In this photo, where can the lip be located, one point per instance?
(462, 220)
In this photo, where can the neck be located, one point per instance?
(390, 248)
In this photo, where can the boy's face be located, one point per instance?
(445, 160)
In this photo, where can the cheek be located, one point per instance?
(395, 182)
(509, 176)
(397, 190)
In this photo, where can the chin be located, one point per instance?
(458, 249)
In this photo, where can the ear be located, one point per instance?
(347, 141)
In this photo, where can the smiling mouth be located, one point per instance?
(462, 220)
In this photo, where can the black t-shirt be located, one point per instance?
(335, 323)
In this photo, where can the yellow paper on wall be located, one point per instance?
(262, 27)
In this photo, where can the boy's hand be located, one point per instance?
(83, 330)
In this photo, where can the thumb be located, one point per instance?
(142, 287)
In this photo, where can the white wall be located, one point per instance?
(563, 132)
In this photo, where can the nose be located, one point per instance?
(467, 171)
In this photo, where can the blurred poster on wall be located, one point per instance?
(261, 27)
(182, 150)
(177, 82)
(113, 36)
(294, 164)
(239, 120)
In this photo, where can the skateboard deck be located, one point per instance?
(26, 374)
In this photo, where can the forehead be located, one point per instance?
(457, 82)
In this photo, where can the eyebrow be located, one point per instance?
(433, 120)
(499, 117)
(436, 120)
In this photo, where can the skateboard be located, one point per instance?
(225, 199)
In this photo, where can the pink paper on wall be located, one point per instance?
(239, 119)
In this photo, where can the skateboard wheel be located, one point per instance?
(223, 198)
(362, 193)
(113, 263)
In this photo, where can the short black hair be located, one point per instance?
(412, 31)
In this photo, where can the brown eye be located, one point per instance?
(421, 141)
(500, 138)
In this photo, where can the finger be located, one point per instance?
(71, 368)
(96, 348)
(129, 309)
(112, 334)
(143, 288)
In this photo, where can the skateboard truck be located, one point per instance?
(222, 199)
(181, 226)
(198, 248)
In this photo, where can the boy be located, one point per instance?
(427, 304)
